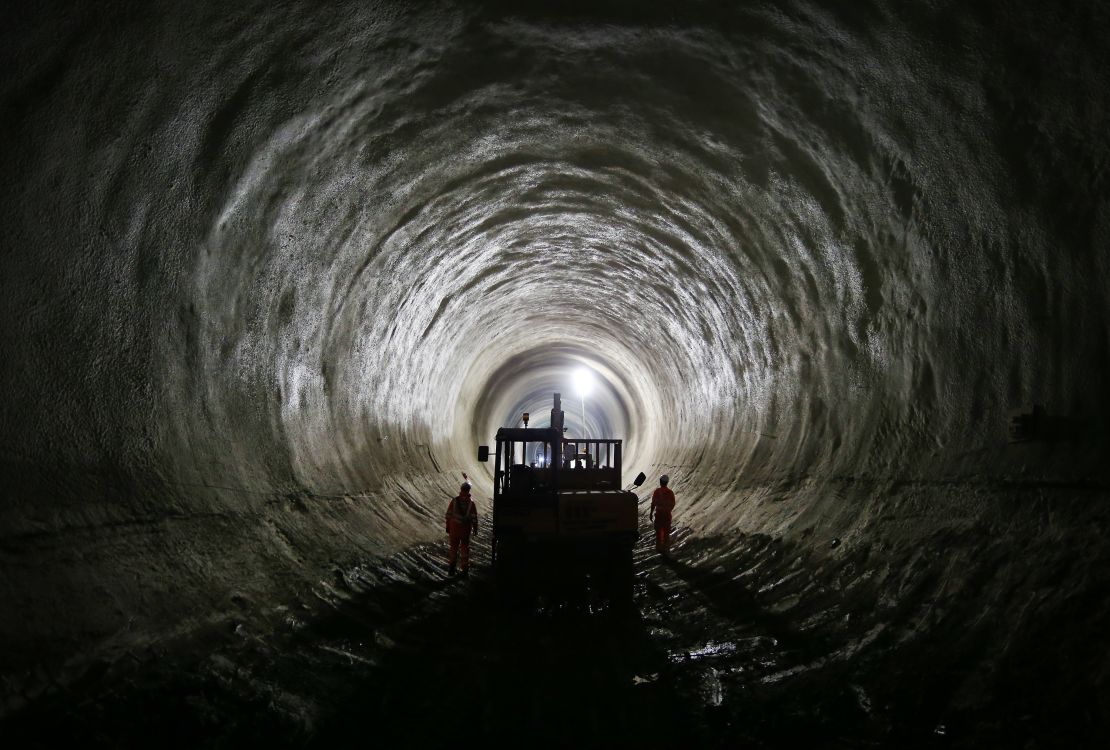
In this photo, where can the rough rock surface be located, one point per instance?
(271, 271)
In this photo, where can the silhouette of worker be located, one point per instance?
(462, 521)
(662, 504)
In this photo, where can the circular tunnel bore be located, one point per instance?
(271, 273)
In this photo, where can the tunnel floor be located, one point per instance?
(757, 650)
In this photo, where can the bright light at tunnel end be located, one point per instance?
(583, 382)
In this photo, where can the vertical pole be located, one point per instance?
(496, 480)
(496, 496)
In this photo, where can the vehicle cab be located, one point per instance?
(548, 489)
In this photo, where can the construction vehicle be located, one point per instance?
(561, 495)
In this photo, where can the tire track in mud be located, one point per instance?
(752, 669)
(698, 656)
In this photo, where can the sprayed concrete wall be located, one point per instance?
(270, 273)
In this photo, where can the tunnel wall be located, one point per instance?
(271, 273)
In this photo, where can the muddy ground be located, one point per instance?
(746, 642)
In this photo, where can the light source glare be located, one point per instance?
(583, 382)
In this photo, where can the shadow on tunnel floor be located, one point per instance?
(765, 647)
(556, 663)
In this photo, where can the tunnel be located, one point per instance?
(272, 272)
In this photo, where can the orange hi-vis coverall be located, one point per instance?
(462, 520)
(662, 503)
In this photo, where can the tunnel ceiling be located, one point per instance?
(311, 230)
(289, 248)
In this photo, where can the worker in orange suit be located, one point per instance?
(662, 503)
(462, 521)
